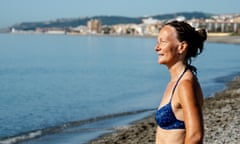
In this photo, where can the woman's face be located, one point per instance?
(167, 46)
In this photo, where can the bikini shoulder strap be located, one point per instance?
(178, 82)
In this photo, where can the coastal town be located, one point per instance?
(224, 24)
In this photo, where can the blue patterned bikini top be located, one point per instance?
(165, 117)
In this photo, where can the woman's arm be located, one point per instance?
(157, 136)
(192, 112)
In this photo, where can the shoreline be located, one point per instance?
(221, 121)
(222, 115)
(212, 37)
(224, 39)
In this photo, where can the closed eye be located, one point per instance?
(161, 42)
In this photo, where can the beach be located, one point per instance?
(221, 116)
(223, 39)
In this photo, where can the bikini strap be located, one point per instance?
(178, 82)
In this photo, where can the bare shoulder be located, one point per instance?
(189, 90)
(187, 82)
(185, 86)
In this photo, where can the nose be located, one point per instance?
(157, 48)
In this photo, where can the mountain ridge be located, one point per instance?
(105, 20)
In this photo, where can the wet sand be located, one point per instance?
(224, 39)
(221, 117)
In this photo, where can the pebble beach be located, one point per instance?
(221, 116)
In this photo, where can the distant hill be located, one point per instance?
(106, 20)
(187, 15)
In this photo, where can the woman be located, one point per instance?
(179, 116)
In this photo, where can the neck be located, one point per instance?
(176, 70)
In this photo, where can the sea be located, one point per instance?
(70, 89)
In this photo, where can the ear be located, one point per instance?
(182, 48)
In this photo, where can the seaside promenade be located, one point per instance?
(221, 116)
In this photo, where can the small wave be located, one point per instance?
(60, 128)
(23, 137)
(226, 78)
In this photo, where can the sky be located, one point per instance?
(17, 11)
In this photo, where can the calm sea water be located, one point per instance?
(70, 89)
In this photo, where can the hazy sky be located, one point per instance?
(16, 11)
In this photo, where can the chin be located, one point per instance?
(161, 62)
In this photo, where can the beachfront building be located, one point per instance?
(94, 26)
(129, 29)
(82, 29)
(151, 26)
(218, 24)
(223, 27)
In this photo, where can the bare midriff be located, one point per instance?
(175, 136)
